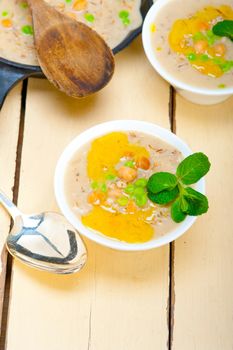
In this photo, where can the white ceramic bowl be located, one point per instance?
(191, 93)
(93, 133)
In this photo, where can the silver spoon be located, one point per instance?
(45, 241)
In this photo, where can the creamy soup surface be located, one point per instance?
(112, 19)
(105, 185)
(186, 47)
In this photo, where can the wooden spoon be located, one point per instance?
(72, 56)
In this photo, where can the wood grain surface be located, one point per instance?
(9, 127)
(203, 317)
(119, 301)
(178, 297)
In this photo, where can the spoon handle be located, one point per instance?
(9, 206)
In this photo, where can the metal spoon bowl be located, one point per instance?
(46, 241)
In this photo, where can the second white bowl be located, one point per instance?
(194, 94)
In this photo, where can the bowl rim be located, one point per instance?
(147, 45)
(91, 134)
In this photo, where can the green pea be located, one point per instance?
(123, 14)
(221, 86)
(226, 66)
(89, 17)
(218, 61)
(103, 187)
(27, 29)
(142, 182)
(4, 13)
(123, 201)
(129, 163)
(191, 57)
(204, 58)
(198, 36)
(110, 177)
(139, 191)
(211, 37)
(141, 201)
(126, 21)
(94, 185)
(129, 189)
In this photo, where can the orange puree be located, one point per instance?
(106, 152)
(200, 24)
(130, 228)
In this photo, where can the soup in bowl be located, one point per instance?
(113, 20)
(101, 184)
(180, 41)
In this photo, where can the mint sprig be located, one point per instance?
(224, 28)
(164, 187)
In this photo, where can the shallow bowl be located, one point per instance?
(93, 133)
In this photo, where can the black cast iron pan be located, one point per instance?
(12, 72)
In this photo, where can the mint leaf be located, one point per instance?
(224, 28)
(184, 204)
(193, 168)
(197, 202)
(176, 211)
(161, 181)
(164, 197)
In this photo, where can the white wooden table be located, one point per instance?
(177, 297)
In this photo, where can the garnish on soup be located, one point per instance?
(194, 39)
(111, 186)
(224, 28)
(164, 187)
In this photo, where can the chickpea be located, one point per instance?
(200, 46)
(127, 174)
(143, 163)
(219, 50)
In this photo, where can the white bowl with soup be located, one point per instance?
(100, 179)
(181, 46)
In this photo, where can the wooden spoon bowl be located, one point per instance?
(72, 56)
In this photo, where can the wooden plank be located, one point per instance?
(119, 300)
(9, 125)
(203, 257)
